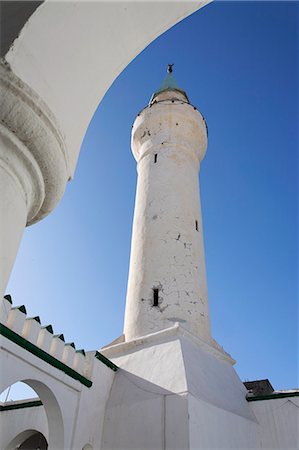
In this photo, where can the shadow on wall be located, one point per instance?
(28, 440)
(142, 415)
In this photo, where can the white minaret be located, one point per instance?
(167, 277)
(175, 378)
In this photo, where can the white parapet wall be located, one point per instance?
(72, 385)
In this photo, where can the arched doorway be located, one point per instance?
(42, 426)
(28, 440)
(87, 447)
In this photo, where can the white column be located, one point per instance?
(33, 165)
(167, 279)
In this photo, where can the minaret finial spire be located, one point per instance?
(169, 84)
(169, 68)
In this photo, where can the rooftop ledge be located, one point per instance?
(273, 396)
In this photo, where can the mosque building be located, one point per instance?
(165, 383)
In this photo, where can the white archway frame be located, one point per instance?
(20, 438)
(70, 53)
(53, 412)
(52, 79)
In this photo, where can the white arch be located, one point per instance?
(70, 52)
(20, 438)
(51, 81)
(53, 412)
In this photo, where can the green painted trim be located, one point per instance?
(48, 328)
(36, 351)
(272, 396)
(36, 318)
(71, 344)
(8, 298)
(21, 405)
(81, 350)
(59, 336)
(20, 308)
(106, 361)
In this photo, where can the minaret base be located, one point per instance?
(176, 392)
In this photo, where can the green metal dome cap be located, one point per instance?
(169, 84)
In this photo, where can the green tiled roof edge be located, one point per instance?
(36, 351)
(22, 405)
(272, 396)
(106, 361)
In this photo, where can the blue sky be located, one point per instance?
(238, 62)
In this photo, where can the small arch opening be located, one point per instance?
(196, 225)
(155, 157)
(29, 440)
(35, 399)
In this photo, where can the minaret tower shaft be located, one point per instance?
(167, 276)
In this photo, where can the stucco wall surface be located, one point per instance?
(75, 413)
(141, 415)
(216, 428)
(181, 366)
(279, 422)
(15, 422)
(187, 396)
(169, 140)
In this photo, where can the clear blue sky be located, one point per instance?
(238, 63)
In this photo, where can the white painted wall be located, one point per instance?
(13, 213)
(204, 404)
(15, 422)
(141, 415)
(279, 422)
(172, 392)
(167, 251)
(211, 427)
(74, 412)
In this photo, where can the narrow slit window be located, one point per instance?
(196, 225)
(156, 297)
(156, 157)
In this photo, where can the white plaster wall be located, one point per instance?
(75, 413)
(58, 392)
(215, 428)
(214, 380)
(279, 422)
(141, 415)
(71, 52)
(91, 408)
(177, 364)
(14, 422)
(167, 252)
(204, 402)
(217, 414)
(160, 364)
(13, 213)
(134, 416)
